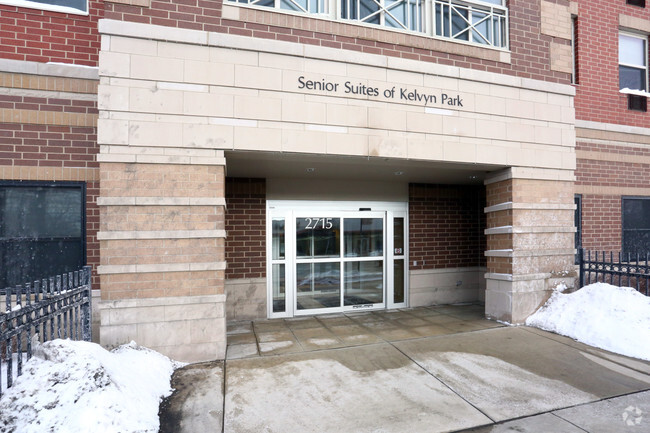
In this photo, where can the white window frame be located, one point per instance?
(643, 38)
(47, 7)
(419, 14)
(288, 209)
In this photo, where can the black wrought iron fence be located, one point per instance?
(616, 268)
(56, 307)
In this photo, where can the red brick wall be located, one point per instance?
(245, 228)
(48, 146)
(446, 225)
(530, 49)
(601, 214)
(597, 96)
(26, 145)
(44, 36)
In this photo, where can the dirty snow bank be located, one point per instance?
(76, 386)
(601, 315)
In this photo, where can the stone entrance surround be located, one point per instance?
(172, 101)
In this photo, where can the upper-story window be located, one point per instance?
(481, 22)
(79, 7)
(633, 62)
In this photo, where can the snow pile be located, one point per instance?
(75, 386)
(601, 315)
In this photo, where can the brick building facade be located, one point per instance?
(250, 159)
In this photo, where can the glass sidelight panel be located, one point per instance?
(278, 239)
(318, 237)
(364, 282)
(398, 281)
(364, 237)
(318, 285)
(279, 296)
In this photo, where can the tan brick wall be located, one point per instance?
(157, 285)
(162, 231)
(556, 19)
(160, 180)
(148, 218)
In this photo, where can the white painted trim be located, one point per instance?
(49, 69)
(530, 253)
(610, 127)
(160, 201)
(510, 277)
(159, 159)
(14, 91)
(529, 206)
(148, 31)
(523, 230)
(160, 234)
(163, 301)
(160, 268)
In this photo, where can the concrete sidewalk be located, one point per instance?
(417, 370)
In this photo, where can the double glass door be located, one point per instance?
(328, 261)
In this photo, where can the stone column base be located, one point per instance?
(188, 328)
(512, 299)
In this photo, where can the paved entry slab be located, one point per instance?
(372, 388)
(511, 372)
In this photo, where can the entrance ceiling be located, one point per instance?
(293, 165)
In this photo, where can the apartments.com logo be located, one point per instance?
(632, 416)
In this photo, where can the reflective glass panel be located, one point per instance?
(398, 236)
(318, 285)
(279, 296)
(364, 237)
(278, 239)
(631, 50)
(631, 78)
(398, 281)
(318, 237)
(364, 282)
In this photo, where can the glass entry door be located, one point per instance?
(323, 261)
(339, 261)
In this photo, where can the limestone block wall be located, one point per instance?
(210, 91)
(162, 257)
(530, 243)
(180, 98)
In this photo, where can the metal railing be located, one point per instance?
(478, 22)
(56, 307)
(616, 268)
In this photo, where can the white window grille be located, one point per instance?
(479, 22)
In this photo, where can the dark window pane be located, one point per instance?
(364, 237)
(76, 4)
(636, 226)
(318, 237)
(41, 232)
(631, 78)
(30, 212)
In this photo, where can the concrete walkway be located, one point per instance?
(414, 370)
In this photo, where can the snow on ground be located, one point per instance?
(601, 315)
(76, 386)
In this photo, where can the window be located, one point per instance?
(640, 3)
(574, 49)
(632, 62)
(479, 22)
(577, 218)
(65, 6)
(42, 230)
(636, 225)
